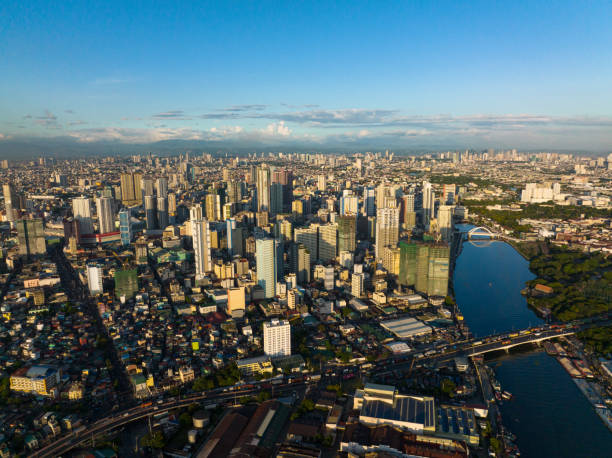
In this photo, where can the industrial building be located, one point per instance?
(406, 328)
(383, 405)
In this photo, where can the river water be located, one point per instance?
(549, 414)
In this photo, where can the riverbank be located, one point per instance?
(548, 413)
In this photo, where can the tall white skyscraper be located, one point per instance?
(387, 229)
(106, 217)
(277, 338)
(81, 209)
(200, 234)
(428, 203)
(266, 258)
(263, 188)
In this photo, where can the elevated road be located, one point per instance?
(104, 425)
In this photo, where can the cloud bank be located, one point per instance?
(256, 126)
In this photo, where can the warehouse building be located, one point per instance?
(406, 328)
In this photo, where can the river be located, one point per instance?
(549, 414)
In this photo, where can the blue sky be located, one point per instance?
(319, 74)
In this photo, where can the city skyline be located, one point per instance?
(352, 76)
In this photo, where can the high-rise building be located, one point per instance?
(106, 217)
(235, 191)
(276, 198)
(263, 188)
(369, 201)
(162, 212)
(386, 196)
(428, 203)
(387, 229)
(266, 253)
(125, 227)
(321, 183)
(10, 201)
(81, 209)
(285, 230)
(231, 230)
(148, 187)
(285, 178)
(300, 263)
(449, 192)
(357, 284)
(425, 267)
(309, 237)
(445, 221)
(31, 237)
(347, 228)
(151, 212)
(200, 233)
(277, 338)
(349, 205)
(407, 211)
(327, 242)
(131, 188)
(162, 187)
(127, 188)
(391, 260)
(94, 279)
(213, 207)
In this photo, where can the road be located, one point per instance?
(103, 425)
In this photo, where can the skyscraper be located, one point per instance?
(125, 227)
(276, 198)
(309, 237)
(106, 218)
(369, 201)
(426, 267)
(151, 212)
(300, 263)
(387, 229)
(263, 188)
(148, 187)
(266, 259)
(31, 237)
(349, 205)
(428, 203)
(230, 229)
(131, 188)
(162, 212)
(347, 228)
(285, 178)
(200, 233)
(407, 211)
(213, 207)
(127, 188)
(162, 187)
(10, 201)
(81, 208)
(327, 241)
(277, 338)
(445, 221)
